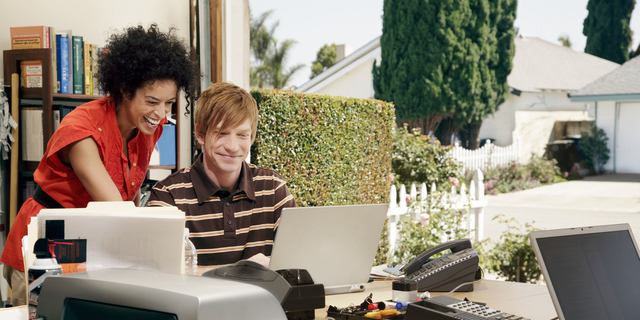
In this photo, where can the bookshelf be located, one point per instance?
(45, 97)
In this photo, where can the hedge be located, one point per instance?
(331, 150)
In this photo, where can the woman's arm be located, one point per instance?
(84, 157)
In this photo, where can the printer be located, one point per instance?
(128, 294)
(244, 290)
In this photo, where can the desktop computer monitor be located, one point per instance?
(128, 294)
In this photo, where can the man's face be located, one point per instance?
(224, 151)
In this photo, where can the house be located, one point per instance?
(538, 109)
(616, 97)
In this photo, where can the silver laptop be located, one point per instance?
(591, 272)
(336, 244)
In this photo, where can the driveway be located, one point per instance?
(596, 200)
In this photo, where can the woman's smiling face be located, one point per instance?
(150, 104)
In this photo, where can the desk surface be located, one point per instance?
(522, 299)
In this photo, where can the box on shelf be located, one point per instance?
(167, 146)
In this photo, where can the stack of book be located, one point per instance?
(75, 61)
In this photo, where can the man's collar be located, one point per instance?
(205, 188)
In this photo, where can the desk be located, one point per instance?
(522, 299)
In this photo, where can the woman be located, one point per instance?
(101, 150)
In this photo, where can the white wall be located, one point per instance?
(357, 83)
(500, 125)
(236, 43)
(626, 142)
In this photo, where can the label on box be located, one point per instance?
(31, 74)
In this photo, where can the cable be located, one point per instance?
(458, 287)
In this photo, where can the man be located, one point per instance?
(232, 208)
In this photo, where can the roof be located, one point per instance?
(363, 54)
(621, 84)
(537, 65)
(541, 65)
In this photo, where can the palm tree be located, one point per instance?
(276, 61)
(261, 40)
(269, 58)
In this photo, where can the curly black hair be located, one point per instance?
(138, 56)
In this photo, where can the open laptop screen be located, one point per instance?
(593, 275)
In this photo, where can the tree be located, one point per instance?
(489, 39)
(607, 29)
(279, 75)
(496, 65)
(325, 58)
(269, 58)
(564, 40)
(445, 63)
(261, 41)
(422, 52)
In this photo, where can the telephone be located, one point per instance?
(446, 272)
(444, 308)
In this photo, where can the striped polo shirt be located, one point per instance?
(226, 227)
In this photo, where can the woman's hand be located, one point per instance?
(84, 157)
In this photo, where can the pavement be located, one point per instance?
(595, 200)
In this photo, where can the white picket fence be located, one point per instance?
(473, 201)
(486, 157)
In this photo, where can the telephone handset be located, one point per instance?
(446, 272)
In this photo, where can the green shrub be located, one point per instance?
(331, 150)
(414, 237)
(542, 169)
(512, 256)
(515, 177)
(417, 158)
(593, 146)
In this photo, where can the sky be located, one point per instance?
(312, 24)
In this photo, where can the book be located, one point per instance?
(31, 74)
(63, 62)
(69, 57)
(78, 66)
(95, 54)
(64, 110)
(54, 60)
(36, 37)
(88, 77)
(32, 133)
(58, 78)
(55, 113)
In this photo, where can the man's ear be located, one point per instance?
(200, 136)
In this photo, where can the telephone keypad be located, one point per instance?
(458, 309)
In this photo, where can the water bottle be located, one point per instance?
(190, 255)
(45, 265)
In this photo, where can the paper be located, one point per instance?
(120, 235)
(384, 272)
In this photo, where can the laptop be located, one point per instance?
(591, 272)
(336, 244)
